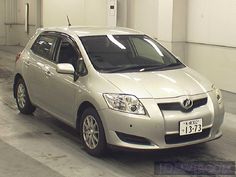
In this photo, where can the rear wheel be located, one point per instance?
(22, 98)
(92, 132)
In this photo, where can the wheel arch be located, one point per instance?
(83, 106)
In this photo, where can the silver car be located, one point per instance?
(117, 87)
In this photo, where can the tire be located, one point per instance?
(22, 98)
(93, 137)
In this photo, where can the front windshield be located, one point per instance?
(125, 53)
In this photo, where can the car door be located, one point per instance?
(40, 53)
(60, 89)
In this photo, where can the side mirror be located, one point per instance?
(65, 68)
(80, 69)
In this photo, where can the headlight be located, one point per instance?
(124, 103)
(218, 94)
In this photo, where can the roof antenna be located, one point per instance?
(68, 20)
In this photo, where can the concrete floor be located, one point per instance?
(41, 146)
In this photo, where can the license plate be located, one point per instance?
(190, 127)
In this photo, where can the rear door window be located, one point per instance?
(44, 46)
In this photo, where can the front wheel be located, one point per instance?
(92, 132)
(22, 98)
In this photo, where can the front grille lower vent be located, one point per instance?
(177, 106)
(133, 139)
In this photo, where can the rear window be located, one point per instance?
(44, 46)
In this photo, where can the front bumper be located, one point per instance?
(160, 124)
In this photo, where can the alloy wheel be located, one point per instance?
(21, 95)
(90, 132)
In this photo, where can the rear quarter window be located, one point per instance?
(44, 46)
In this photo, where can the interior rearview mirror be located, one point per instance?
(65, 68)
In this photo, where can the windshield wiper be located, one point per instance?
(139, 68)
(172, 65)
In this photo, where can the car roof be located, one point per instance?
(93, 31)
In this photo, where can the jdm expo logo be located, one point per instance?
(195, 168)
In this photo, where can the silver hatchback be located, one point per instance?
(117, 87)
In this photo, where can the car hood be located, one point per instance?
(160, 84)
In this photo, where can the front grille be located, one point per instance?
(177, 105)
(133, 139)
(176, 138)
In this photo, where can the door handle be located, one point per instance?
(48, 73)
(27, 62)
(40, 65)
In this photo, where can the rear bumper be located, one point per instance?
(159, 125)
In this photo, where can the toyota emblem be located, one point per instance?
(187, 104)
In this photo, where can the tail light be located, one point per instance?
(18, 56)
